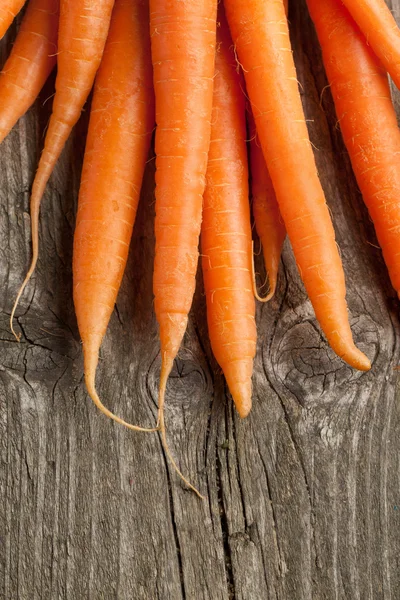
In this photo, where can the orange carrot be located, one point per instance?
(183, 51)
(261, 36)
(82, 34)
(267, 216)
(8, 11)
(226, 231)
(121, 123)
(379, 27)
(31, 61)
(367, 119)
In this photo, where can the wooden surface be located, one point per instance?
(303, 497)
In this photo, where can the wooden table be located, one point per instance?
(303, 497)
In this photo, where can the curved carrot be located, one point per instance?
(82, 34)
(120, 128)
(367, 119)
(380, 28)
(226, 232)
(267, 217)
(183, 51)
(32, 58)
(261, 36)
(8, 11)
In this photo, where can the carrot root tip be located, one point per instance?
(166, 368)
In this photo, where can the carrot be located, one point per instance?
(183, 51)
(380, 28)
(367, 119)
(226, 231)
(120, 128)
(82, 34)
(267, 216)
(31, 61)
(261, 36)
(8, 11)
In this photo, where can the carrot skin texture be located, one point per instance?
(82, 34)
(183, 52)
(32, 58)
(267, 217)
(367, 119)
(226, 232)
(8, 11)
(261, 36)
(120, 130)
(381, 31)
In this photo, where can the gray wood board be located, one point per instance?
(303, 496)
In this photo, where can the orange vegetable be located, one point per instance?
(32, 58)
(226, 231)
(82, 34)
(367, 119)
(267, 216)
(8, 11)
(261, 36)
(380, 28)
(183, 51)
(121, 124)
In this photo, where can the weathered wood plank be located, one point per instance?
(303, 497)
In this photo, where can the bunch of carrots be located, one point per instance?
(210, 79)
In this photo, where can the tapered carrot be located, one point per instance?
(82, 34)
(31, 61)
(267, 217)
(121, 123)
(367, 119)
(380, 28)
(8, 11)
(226, 231)
(261, 36)
(183, 52)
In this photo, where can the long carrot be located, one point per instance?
(380, 28)
(367, 119)
(226, 231)
(121, 123)
(82, 34)
(8, 11)
(183, 51)
(261, 36)
(267, 217)
(31, 61)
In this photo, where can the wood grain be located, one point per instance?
(303, 497)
